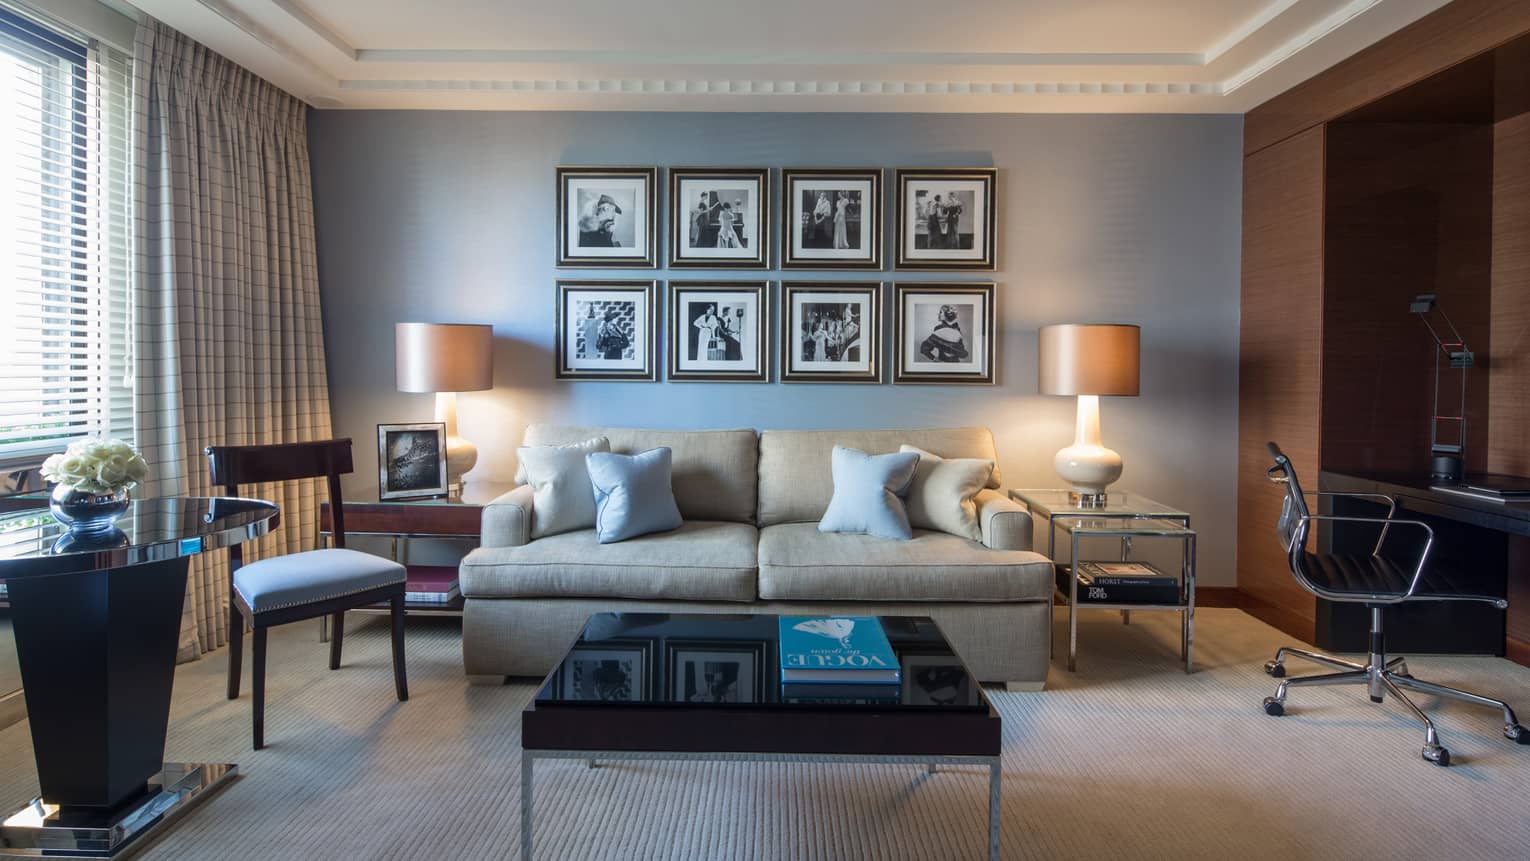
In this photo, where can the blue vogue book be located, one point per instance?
(836, 650)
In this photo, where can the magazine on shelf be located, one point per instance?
(836, 650)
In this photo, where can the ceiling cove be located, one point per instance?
(1168, 56)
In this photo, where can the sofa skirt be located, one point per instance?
(1000, 642)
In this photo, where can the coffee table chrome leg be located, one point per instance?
(526, 761)
(994, 784)
(1073, 607)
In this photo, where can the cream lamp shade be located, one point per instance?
(446, 358)
(1089, 360)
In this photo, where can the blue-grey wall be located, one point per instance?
(448, 217)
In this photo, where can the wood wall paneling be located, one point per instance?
(1279, 375)
(1431, 44)
(1509, 364)
(1407, 210)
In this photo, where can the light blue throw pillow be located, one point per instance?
(633, 495)
(867, 491)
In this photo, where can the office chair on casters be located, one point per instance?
(1377, 582)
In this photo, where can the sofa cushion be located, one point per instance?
(700, 561)
(944, 492)
(714, 475)
(632, 494)
(799, 563)
(867, 494)
(795, 482)
(562, 497)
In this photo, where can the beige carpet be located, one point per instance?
(1128, 757)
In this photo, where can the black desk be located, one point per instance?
(1481, 540)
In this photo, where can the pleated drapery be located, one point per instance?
(229, 339)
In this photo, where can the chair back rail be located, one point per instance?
(233, 465)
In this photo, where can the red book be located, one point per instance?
(431, 583)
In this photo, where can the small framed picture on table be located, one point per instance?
(831, 218)
(719, 218)
(719, 331)
(606, 330)
(607, 217)
(945, 333)
(411, 460)
(947, 218)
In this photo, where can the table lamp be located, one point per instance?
(1089, 360)
(446, 358)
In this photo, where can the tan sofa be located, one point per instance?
(750, 543)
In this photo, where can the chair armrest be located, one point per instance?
(1391, 502)
(507, 520)
(1006, 524)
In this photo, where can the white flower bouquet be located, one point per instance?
(97, 466)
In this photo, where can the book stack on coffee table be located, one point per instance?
(837, 659)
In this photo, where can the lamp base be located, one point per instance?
(1088, 499)
(1446, 467)
(461, 455)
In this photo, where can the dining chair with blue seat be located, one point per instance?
(304, 585)
(1378, 581)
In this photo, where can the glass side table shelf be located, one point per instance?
(1125, 516)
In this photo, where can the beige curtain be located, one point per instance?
(229, 339)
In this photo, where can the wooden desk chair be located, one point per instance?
(1378, 582)
(303, 585)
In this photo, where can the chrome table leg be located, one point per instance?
(526, 762)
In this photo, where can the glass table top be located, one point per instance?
(732, 661)
(1055, 503)
(33, 543)
(1140, 526)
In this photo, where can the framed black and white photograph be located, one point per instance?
(719, 218)
(608, 671)
(606, 330)
(411, 460)
(945, 333)
(607, 217)
(831, 332)
(946, 218)
(831, 218)
(716, 671)
(719, 331)
(936, 680)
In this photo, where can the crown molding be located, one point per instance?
(1302, 41)
(774, 87)
(735, 58)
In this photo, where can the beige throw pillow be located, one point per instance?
(563, 499)
(944, 492)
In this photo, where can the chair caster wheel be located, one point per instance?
(1437, 755)
(1274, 707)
(1517, 733)
(1275, 669)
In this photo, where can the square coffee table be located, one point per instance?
(650, 686)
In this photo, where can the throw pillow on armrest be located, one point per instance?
(867, 488)
(562, 499)
(944, 492)
(633, 494)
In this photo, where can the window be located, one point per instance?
(65, 242)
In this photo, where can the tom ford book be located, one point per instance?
(836, 650)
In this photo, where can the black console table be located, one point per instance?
(1479, 541)
(96, 624)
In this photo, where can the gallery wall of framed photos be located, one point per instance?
(831, 219)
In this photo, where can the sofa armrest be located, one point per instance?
(1006, 524)
(507, 520)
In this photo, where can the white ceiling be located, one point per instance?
(1219, 56)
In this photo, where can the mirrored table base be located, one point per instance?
(42, 830)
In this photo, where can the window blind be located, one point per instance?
(65, 240)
